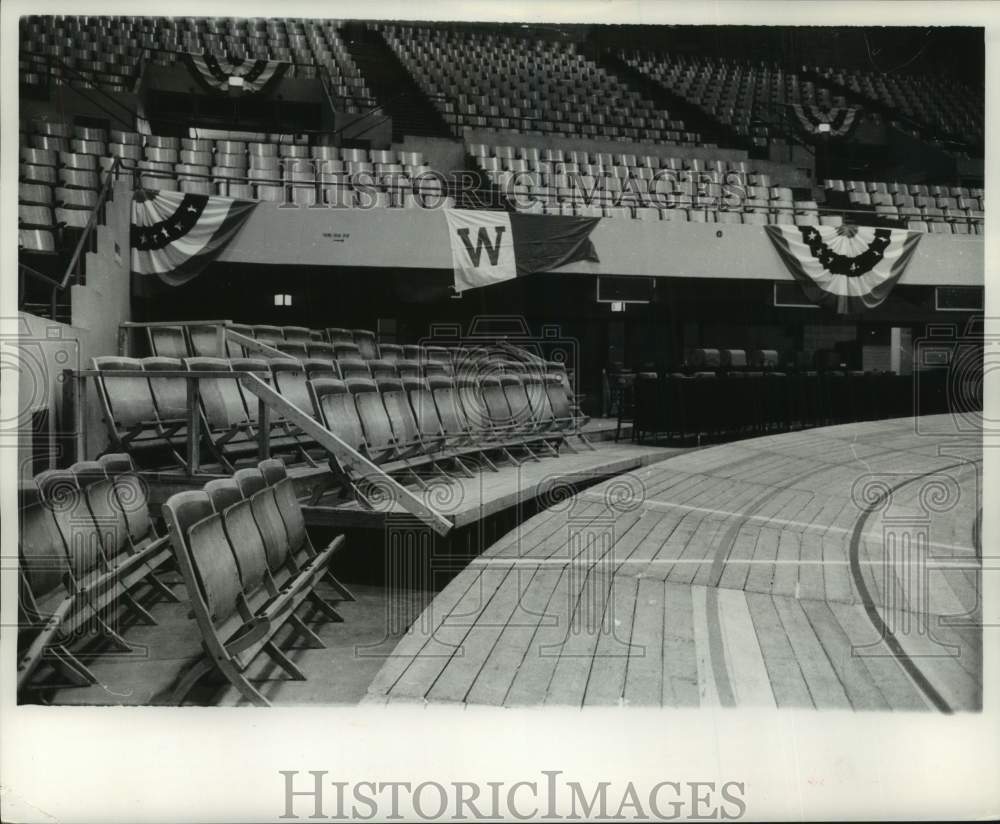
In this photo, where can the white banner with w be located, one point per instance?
(482, 247)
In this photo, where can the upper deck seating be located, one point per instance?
(512, 84)
(108, 51)
(941, 106)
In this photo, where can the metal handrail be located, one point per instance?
(110, 176)
(54, 286)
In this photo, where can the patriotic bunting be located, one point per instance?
(490, 247)
(213, 73)
(845, 268)
(175, 235)
(840, 119)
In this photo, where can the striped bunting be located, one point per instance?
(214, 73)
(845, 268)
(175, 235)
(840, 119)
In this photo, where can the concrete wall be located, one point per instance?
(418, 239)
(46, 347)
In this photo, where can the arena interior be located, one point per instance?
(499, 364)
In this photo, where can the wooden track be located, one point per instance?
(833, 567)
(464, 501)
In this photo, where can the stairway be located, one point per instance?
(695, 120)
(397, 92)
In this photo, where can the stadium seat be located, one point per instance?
(130, 410)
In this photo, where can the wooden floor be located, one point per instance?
(833, 567)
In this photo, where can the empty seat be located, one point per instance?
(168, 341)
(333, 405)
(130, 410)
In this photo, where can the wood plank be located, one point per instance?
(736, 569)
(783, 671)
(505, 658)
(606, 683)
(858, 683)
(680, 667)
(458, 675)
(786, 569)
(576, 651)
(890, 678)
(744, 659)
(414, 641)
(761, 573)
(825, 688)
(959, 689)
(708, 693)
(533, 675)
(448, 639)
(644, 667)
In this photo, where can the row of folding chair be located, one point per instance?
(250, 569)
(147, 411)
(89, 554)
(740, 402)
(197, 340)
(332, 343)
(575, 160)
(430, 423)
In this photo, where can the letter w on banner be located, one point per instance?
(490, 247)
(482, 248)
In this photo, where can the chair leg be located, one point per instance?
(135, 606)
(344, 592)
(67, 664)
(157, 583)
(283, 661)
(314, 640)
(485, 458)
(112, 636)
(510, 457)
(325, 607)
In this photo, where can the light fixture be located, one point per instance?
(282, 300)
(822, 128)
(617, 306)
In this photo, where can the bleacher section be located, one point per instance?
(749, 98)
(62, 166)
(441, 405)
(939, 209)
(110, 51)
(646, 187)
(531, 87)
(944, 108)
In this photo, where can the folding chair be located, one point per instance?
(46, 603)
(232, 635)
(130, 411)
